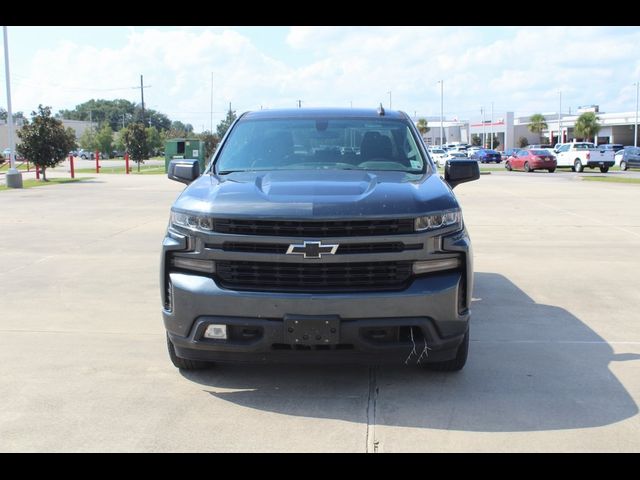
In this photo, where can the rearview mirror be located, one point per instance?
(461, 171)
(184, 171)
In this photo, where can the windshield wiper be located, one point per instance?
(227, 172)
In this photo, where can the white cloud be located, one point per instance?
(520, 69)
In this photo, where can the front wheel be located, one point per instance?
(551, 170)
(507, 165)
(623, 166)
(527, 167)
(604, 169)
(184, 363)
(456, 363)
(577, 166)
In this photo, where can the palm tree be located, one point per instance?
(537, 124)
(423, 126)
(587, 126)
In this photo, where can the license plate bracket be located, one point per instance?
(305, 330)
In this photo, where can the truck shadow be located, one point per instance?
(531, 367)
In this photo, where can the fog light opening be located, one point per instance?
(216, 332)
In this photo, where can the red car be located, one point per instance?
(531, 159)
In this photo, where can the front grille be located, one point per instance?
(300, 277)
(343, 249)
(350, 228)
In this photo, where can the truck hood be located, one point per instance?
(316, 194)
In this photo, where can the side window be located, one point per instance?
(564, 148)
(523, 153)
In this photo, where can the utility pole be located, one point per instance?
(299, 103)
(441, 82)
(123, 120)
(14, 177)
(144, 123)
(211, 111)
(389, 92)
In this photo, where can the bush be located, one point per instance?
(523, 142)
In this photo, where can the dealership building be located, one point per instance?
(616, 127)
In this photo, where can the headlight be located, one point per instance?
(193, 222)
(434, 221)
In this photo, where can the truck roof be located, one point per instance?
(324, 112)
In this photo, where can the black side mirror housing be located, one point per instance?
(184, 171)
(461, 171)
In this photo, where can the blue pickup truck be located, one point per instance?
(318, 235)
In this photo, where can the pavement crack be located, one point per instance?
(372, 400)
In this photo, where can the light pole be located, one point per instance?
(491, 126)
(389, 92)
(14, 177)
(635, 132)
(441, 82)
(560, 119)
(484, 134)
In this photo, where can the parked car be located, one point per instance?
(439, 156)
(301, 263)
(485, 155)
(578, 155)
(508, 153)
(471, 151)
(614, 147)
(628, 157)
(531, 159)
(7, 151)
(455, 156)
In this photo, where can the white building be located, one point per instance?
(78, 126)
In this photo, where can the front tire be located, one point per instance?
(577, 166)
(623, 166)
(507, 165)
(183, 363)
(551, 170)
(527, 167)
(455, 364)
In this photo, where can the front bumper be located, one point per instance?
(373, 327)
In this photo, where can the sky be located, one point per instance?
(520, 69)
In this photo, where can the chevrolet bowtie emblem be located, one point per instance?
(312, 249)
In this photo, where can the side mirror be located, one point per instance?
(461, 171)
(184, 171)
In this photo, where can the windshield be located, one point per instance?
(323, 143)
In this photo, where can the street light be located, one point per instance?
(560, 120)
(14, 177)
(635, 132)
(441, 82)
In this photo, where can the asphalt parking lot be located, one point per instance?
(554, 362)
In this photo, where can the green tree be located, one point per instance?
(496, 142)
(423, 126)
(587, 126)
(116, 112)
(104, 139)
(224, 125)
(134, 138)
(45, 141)
(88, 140)
(522, 142)
(211, 141)
(537, 124)
(476, 141)
(154, 141)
